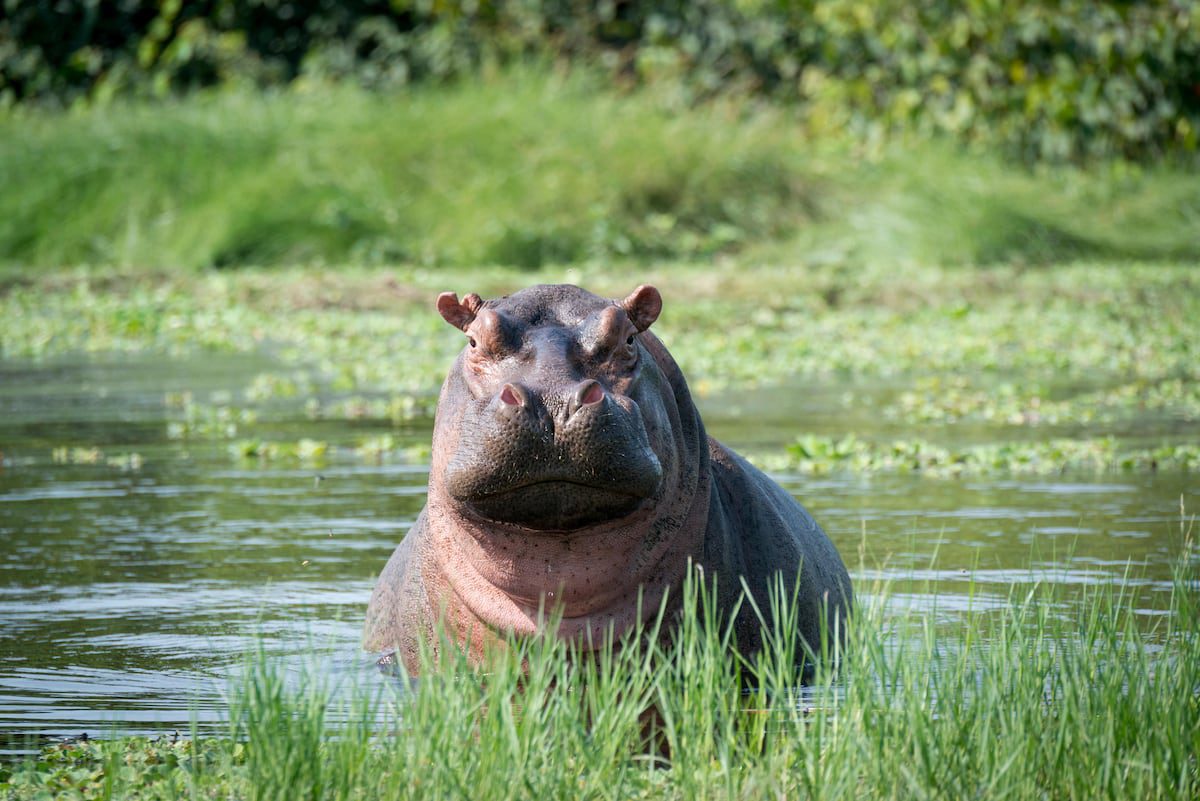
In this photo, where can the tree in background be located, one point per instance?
(1045, 79)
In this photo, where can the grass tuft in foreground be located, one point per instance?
(1086, 696)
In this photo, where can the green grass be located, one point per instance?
(531, 168)
(1047, 695)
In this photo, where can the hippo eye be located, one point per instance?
(471, 340)
(630, 340)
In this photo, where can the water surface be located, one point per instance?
(131, 586)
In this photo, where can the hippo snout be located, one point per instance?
(554, 460)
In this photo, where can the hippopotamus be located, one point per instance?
(571, 472)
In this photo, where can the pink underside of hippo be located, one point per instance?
(572, 471)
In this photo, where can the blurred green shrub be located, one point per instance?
(1046, 79)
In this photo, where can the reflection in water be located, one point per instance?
(128, 596)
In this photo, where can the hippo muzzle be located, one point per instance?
(552, 449)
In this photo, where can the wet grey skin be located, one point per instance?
(571, 469)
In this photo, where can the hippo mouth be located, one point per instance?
(558, 504)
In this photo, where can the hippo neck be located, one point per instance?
(607, 575)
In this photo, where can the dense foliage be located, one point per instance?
(1050, 79)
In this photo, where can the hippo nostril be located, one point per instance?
(588, 393)
(591, 394)
(512, 396)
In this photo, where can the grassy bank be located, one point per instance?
(1045, 696)
(530, 168)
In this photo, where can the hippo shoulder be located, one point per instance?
(756, 496)
(765, 532)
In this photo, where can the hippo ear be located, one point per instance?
(643, 306)
(458, 314)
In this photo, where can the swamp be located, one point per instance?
(171, 508)
(969, 345)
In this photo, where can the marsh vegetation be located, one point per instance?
(952, 307)
(1041, 695)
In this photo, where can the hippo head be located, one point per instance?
(552, 419)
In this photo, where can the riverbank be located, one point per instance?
(535, 167)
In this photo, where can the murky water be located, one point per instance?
(131, 586)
